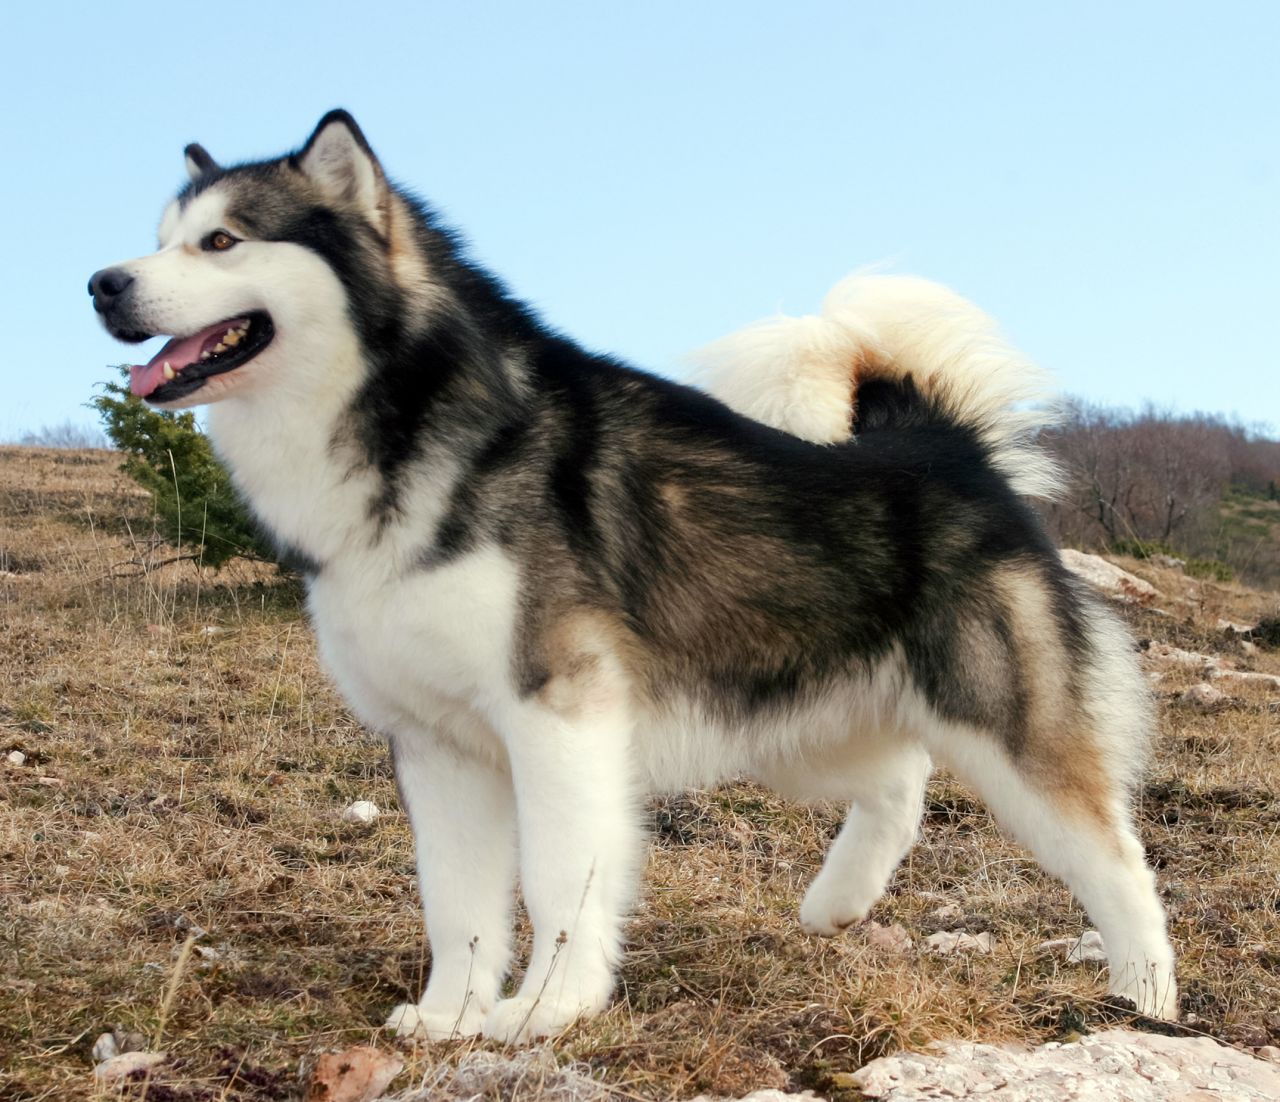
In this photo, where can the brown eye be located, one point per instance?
(218, 241)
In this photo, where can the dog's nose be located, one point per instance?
(106, 286)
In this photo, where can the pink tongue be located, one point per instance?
(178, 353)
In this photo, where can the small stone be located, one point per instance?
(1270, 1052)
(892, 939)
(359, 1074)
(125, 1064)
(50, 782)
(1085, 949)
(944, 943)
(949, 912)
(1206, 697)
(105, 1047)
(210, 629)
(362, 812)
(16, 757)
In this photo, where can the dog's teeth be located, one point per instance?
(219, 348)
(232, 338)
(169, 373)
(205, 355)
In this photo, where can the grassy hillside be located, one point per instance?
(186, 764)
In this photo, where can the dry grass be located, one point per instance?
(187, 762)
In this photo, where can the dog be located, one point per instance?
(556, 583)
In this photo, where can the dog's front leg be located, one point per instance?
(580, 849)
(462, 810)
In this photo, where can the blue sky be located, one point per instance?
(1102, 177)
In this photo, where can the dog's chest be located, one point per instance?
(401, 646)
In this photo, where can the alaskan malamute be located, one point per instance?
(556, 583)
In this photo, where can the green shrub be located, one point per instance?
(1141, 549)
(1209, 570)
(168, 455)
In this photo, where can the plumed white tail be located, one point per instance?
(802, 374)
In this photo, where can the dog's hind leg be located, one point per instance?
(887, 790)
(462, 810)
(1072, 812)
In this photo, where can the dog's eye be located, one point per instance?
(217, 242)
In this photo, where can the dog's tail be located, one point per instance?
(803, 375)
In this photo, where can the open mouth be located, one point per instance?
(182, 366)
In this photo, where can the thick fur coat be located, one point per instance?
(556, 583)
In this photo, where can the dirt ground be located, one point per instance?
(186, 764)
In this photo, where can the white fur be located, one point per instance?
(493, 781)
(800, 374)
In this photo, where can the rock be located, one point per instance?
(1167, 655)
(892, 939)
(104, 1048)
(1169, 562)
(1205, 697)
(948, 912)
(1085, 949)
(16, 757)
(1245, 677)
(1270, 1052)
(362, 812)
(1229, 627)
(944, 943)
(124, 1065)
(358, 1074)
(529, 1073)
(1117, 584)
(1113, 1066)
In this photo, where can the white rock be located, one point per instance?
(362, 812)
(1246, 677)
(1117, 584)
(1231, 627)
(1113, 1066)
(1205, 696)
(124, 1065)
(105, 1047)
(16, 757)
(1167, 655)
(948, 912)
(1087, 948)
(948, 944)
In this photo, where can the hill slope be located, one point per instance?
(185, 767)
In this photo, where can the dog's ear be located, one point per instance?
(199, 163)
(338, 159)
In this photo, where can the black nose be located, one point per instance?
(106, 286)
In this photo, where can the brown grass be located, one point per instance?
(187, 762)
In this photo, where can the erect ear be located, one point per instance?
(199, 163)
(339, 160)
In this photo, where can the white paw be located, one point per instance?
(517, 1020)
(826, 913)
(1153, 995)
(430, 1024)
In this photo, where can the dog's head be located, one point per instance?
(259, 269)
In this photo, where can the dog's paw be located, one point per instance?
(826, 913)
(428, 1024)
(517, 1020)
